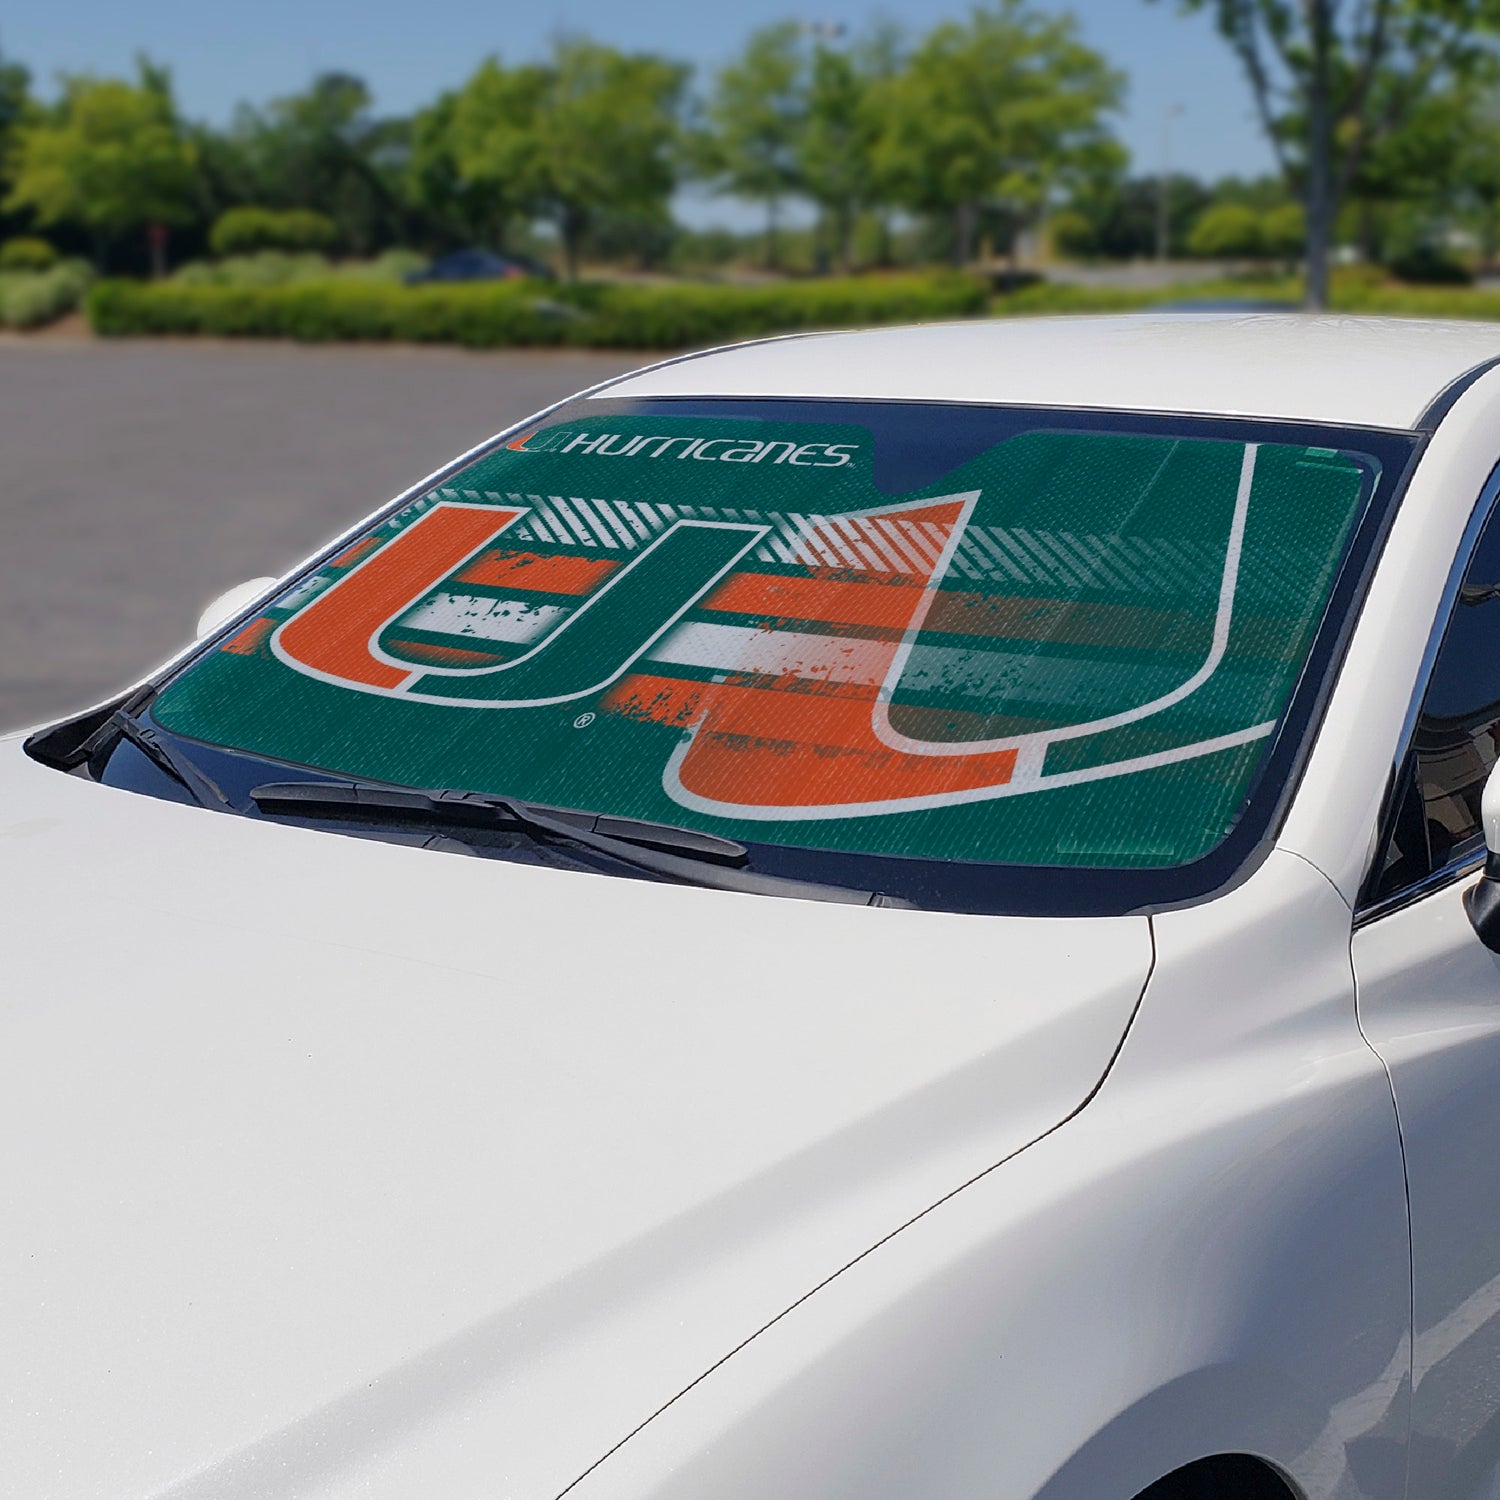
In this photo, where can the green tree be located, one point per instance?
(323, 149)
(835, 151)
(755, 118)
(111, 156)
(1332, 83)
(627, 103)
(996, 111)
(16, 105)
(1439, 169)
(835, 148)
(15, 100)
(1284, 230)
(1475, 167)
(1228, 230)
(1073, 233)
(591, 131)
(483, 150)
(1262, 193)
(456, 208)
(248, 230)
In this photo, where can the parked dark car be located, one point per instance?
(479, 265)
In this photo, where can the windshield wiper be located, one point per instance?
(681, 854)
(165, 757)
(471, 807)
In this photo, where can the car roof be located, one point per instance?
(1378, 372)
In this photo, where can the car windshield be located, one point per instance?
(918, 633)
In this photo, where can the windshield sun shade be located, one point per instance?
(1056, 646)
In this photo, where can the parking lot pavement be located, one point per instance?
(137, 480)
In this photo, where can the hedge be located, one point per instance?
(282, 268)
(1047, 298)
(29, 299)
(1355, 289)
(1421, 302)
(243, 231)
(27, 252)
(492, 315)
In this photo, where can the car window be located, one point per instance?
(1457, 736)
(930, 633)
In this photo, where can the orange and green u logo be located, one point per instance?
(778, 719)
(337, 637)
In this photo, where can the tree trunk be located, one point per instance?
(156, 243)
(1369, 250)
(820, 244)
(965, 218)
(845, 246)
(773, 251)
(1320, 205)
(571, 226)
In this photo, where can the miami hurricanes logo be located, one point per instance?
(337, 637)
(777, 646)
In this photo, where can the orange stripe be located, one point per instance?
(770, 747)
(660, 700)
(332, 635)
(354, 551)
(534, 570)
(249, 640)
(427, 653)
(886, 600)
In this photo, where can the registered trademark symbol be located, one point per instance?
(583, 721)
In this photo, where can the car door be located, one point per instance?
(1429, 1003)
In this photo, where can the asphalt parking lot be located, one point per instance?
(137, 480)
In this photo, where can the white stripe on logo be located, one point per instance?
(484, 618)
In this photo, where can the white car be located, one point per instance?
(875, 916)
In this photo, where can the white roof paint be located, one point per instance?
(1379, 372)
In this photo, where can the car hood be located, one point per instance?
(339, 1167)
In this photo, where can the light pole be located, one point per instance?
(1164, 182)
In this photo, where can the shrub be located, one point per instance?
(1397, 300)
(1050, 298)
(318, 311)
(389, 265)
(672, 317)
(28, 299)
(243, 231)
(263, 268)
(27, 253)
(1429, 265)
(497, 314)
(1072, 233)
(1361, 276)
(1284, 231)
(1227, 230)
(283, 268)
(1046, 298)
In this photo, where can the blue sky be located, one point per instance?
(220, 53)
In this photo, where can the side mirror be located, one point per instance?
(228, 604)
(1482, 902)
